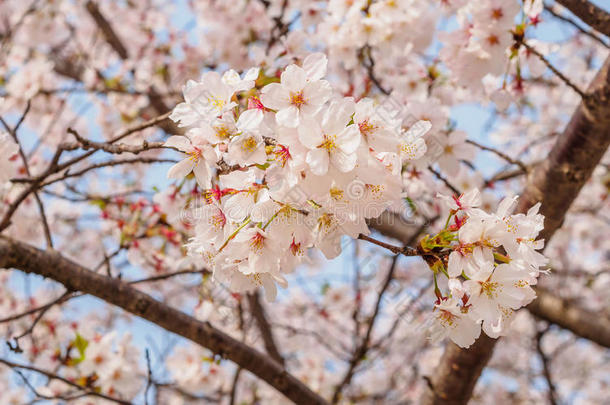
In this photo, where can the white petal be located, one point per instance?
(179, 142)
(310, 134)
(288, 117)
(202, 174)
(317, 159)
(349, 139)
(275, 96)
(338, 115)
(180, 169)
(344, 162)
(315, 66)
(250, 119)
(294, 78)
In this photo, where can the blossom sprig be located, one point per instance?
(286, 165)
(490, 262)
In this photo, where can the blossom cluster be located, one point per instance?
(285, 164)
(491, 265)
(480, 46)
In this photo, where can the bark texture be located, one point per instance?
(594, 16)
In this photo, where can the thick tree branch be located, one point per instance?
(18, 255)
(590, 14)
(594, 326)
(555, 183)
(264, 327)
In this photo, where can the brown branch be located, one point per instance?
(111, 37)
(501, 154)
(111, 163)
(546, 370)
(395, 226)
(50, 264)
(55, 166)
(573, 23)
(233, 395)
(264, 327)
(439, 176)
(369, 64)
(590, 14)
(590, 325)
(555, 183)
(117, 149)
(361, 351)
(86, 391)
(155, 98)
(553, 69)
(13, 133)
(397, 250)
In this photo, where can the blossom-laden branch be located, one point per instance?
(18, 255)
(555, 183)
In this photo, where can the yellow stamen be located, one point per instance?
(249, 145)
(329, 143)
(297, 99)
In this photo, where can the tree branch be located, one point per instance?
(573, 23)
(18, 255)
(590, 14)
(260, 316)
(111, 37)
(546, 369)
(594, 326)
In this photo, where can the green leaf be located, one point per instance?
(101, 204)
(325, 287)
(81, 345)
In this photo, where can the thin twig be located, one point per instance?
(233, 396)
(439, 176)
(546, 367)
(500, 154)
(13, 132)
(86, 391)
(149, 379)
(369, 64)
(553, 69)
(361, 351)
(397, 250)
